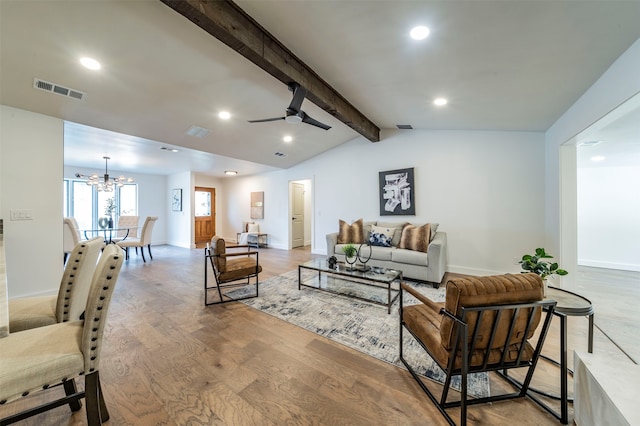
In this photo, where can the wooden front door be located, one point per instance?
(205, 223)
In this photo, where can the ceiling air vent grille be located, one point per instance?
(58, 89)
(404, 126)
(280, 154)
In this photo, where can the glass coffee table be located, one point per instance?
(375, 285)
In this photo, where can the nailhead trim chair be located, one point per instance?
(230, 269)
(130, 222)
(144, 240)
(70, 303)
(70, 235)
(484, 325)
(44, 357)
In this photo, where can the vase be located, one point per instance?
(110, 223)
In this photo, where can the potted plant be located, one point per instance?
(538, 264)
(110, 209)
(350, 251)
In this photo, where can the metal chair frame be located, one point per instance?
(462, 333)
(223, 284)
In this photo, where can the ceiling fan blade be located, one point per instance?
(264, 120)
(299, 94)
(314, 122)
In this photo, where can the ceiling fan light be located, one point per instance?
(293, 119)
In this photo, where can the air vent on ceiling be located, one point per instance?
(280, 154)
(58, 89)
(197, 132)
(404, 126)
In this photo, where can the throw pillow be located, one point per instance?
(415, 238)
(380, 236)
(253, 228)
(350, 234)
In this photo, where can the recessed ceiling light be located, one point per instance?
(224, 115)
(90, 63)
(440, 101)
(598, 158)
(419, 33)
(287, 138)
(230, 172)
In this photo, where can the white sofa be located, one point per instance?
(425, 267)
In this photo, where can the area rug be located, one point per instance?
(363, 326)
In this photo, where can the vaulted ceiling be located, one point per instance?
(503, 65)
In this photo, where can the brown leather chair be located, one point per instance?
(230, 269)
(484, 325)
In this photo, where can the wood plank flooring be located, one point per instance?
(168, 360)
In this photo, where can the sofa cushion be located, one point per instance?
(415, 238)
(380, 236)
(410, 257)
(380, 253)
(398, 231)
(350, 234)
(434, 228)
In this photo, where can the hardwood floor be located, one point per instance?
(168, 360)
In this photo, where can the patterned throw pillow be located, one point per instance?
(415, 238)
(350, 234)
(380, 236)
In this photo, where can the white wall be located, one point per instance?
(484, 188)
(180, 223)
(31, 177)
(619, 83)
(608, 206)
(151, 198)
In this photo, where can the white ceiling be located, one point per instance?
(504, 65)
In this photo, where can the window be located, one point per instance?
(87, 205)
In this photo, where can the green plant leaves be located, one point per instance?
(533, 263)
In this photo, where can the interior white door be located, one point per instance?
(297, 215)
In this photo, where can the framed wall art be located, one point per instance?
(257, 205)
(176, 200)
(397, 192)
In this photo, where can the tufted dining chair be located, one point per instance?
(38, 359)
(32, 312)
(70, 235)
(484, 325)
(144, 240)
(127, 228)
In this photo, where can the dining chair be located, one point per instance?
(41, 358)
(31, 312)
(127, 227)
(485, 324)
(70, 235)
(144, 240)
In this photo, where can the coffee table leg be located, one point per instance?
(590, 334)
(564, 396)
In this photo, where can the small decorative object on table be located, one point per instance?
(350, 256)
(535, 264)
(361, 256)
(332, 261)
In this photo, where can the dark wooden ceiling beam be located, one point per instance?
(230, 24)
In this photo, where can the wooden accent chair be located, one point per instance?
(32, 312)
(144, 240)
(230, 269)
(484, 325)
(37, 359)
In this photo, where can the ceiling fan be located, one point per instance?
(294, 114)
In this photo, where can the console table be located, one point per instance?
(257, 240)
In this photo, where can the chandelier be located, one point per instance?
(105, 183)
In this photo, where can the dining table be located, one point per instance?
(110, 235)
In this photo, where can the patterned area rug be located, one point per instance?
(360, 325)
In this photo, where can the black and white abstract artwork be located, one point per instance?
(397, 192)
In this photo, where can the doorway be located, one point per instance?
(299, 208)
(205, 223)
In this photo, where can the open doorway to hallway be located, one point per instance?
(300, 195)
